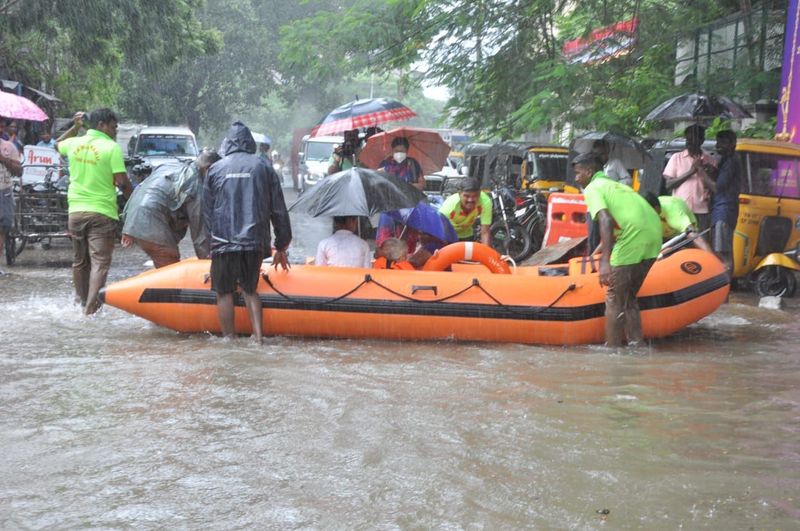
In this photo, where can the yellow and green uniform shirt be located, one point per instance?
(638, 227)
(675, 215)
(94, 158)
(462, 221)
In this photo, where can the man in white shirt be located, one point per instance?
(343, 248)
(613, 168)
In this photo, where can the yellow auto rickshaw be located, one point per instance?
(769, 215)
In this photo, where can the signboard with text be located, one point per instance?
(36, 162)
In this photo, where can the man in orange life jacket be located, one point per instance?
(464, 207)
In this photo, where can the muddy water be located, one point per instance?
(112, 422)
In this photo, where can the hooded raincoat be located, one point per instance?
(165, 204)
(242, 196)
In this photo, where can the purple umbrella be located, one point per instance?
(425, 218)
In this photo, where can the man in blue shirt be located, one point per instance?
(725, 199)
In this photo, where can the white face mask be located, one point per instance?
(399, 156)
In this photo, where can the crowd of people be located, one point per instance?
(632, 227)
(232, 203)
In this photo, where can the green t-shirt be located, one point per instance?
(675, 215)
(463, 221)
(94, 158)
(638, 227)
(347, 162)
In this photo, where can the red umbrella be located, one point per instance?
(362, 113)
(19, 108)
(424, 145)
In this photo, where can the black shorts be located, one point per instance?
(239, 267)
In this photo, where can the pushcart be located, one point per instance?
(40, 213)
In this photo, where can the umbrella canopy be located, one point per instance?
(357, 192)
(261, 139)
(697, 107)
(425, 218)
(424, 145)
(19, 108)
(362, 113)
(630, 152)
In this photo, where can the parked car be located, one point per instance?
(157, 145)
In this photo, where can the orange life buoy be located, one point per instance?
(450, 254)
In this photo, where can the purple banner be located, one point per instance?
(789, 102)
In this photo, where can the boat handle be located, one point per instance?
(415, 289)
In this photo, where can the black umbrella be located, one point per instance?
(696, 107)
(357, 192)
(630, 152)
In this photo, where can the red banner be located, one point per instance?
(603, 43)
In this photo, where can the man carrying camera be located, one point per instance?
(345, 155)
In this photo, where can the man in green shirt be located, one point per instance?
(96, 168)
(676, 217)
(630, 238)
(464, 207)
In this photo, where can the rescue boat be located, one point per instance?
(488, 301)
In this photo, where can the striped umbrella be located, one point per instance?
(362, 113)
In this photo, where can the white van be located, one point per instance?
(158, 145)
(315, 158)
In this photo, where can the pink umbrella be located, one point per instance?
(19, 108)
(425, 145)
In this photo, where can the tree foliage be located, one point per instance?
(203, 62)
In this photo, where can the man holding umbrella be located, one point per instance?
(402, 166)
(612, 167)
(688, 171)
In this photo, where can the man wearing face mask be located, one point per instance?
(402, 166)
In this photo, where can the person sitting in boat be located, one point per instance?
(392, 254)
(630, 238)
(164, 206)
(676, 218)
(466, 206)
(343, 248)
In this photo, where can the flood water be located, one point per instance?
(112, 422)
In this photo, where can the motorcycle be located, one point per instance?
(508, 235)
(531, 213)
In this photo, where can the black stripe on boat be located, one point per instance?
(443, 309)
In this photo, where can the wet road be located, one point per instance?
(112, 422)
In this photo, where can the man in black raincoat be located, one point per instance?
(242, 196)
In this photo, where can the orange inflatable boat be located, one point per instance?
(557, 305)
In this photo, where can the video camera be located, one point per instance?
(350, 144)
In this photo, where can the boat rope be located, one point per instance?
(513, 310)
(368, 279)
(412, 299)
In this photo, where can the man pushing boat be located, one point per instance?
(630, 237)
(242, 196)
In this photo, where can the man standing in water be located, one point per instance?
(10, 166)
(96, 168)
(636, 243)
(687, 173)
(164, 206)
(242, 195)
